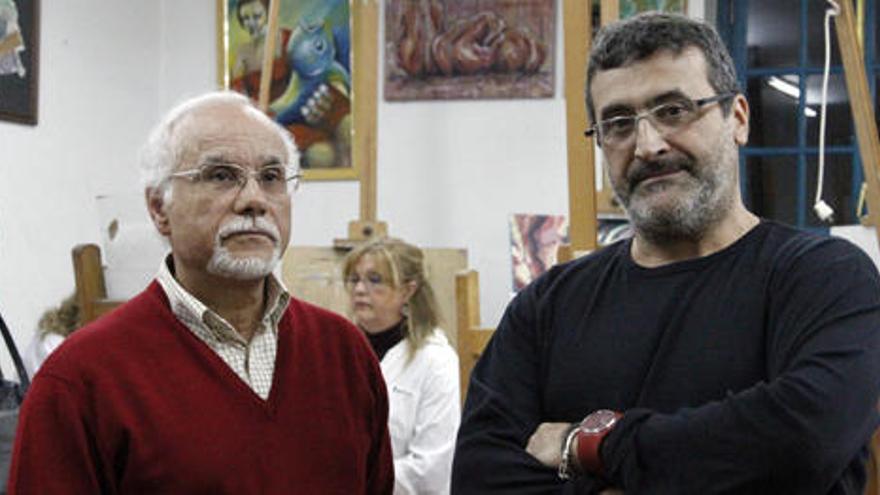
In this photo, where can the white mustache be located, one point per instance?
(242, 224)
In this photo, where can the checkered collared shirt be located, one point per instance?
(254, 361)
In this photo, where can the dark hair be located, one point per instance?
(643, 35)
(242, 3)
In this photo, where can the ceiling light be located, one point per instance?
(784, 86)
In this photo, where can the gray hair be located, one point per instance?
(643, 35)
(162, 151)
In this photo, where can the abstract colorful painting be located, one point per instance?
(310, 91)
(451, 49)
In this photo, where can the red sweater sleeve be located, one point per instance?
(53, 451)
(381, 472)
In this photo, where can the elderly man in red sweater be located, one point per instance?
(213, 379)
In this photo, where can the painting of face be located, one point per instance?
(252, 16)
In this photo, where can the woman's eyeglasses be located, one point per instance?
(371, 280)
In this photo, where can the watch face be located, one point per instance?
(598, 421)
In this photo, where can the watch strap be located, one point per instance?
(589, 440)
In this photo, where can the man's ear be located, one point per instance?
(156, 206)
(740, 114)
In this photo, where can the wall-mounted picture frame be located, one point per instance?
(311, 88)
(19, 60)
(469, 49)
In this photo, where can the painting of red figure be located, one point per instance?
(534, 240)
(469, 49)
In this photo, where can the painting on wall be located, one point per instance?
(632, 7)
(19, 57)
(455, 49)
(534, 241)
(311, 87)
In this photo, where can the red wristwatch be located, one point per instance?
(590, 434)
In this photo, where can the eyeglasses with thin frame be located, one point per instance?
(222, 177)
(371, 280)
(667, 118)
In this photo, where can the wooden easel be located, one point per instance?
(313, 273)
(577, 25)
(364, 16)
(582, 196)
(846, 28)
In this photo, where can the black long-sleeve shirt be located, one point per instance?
(752, 370)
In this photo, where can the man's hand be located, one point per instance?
(545, 444)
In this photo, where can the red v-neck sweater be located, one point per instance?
(135, 403)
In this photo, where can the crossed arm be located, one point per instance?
(798, 431)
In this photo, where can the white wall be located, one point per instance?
(450, 173)
(97, 98)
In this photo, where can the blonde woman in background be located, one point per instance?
(394, 305)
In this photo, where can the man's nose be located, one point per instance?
(251, 198)
(650, 141)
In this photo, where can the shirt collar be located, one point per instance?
(187, 308)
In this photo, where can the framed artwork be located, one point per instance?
(632, 7)
(311, 82)
(19, 60)
(454, 49)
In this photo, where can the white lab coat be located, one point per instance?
(424, 413)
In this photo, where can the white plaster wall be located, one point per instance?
(97, 97)
(450, 173)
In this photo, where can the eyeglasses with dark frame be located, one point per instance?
(667, 118)
(222, 177)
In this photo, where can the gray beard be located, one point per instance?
(689, 218)
(705, 200)
(225, 265)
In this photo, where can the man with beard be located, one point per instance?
(714, 352)
(214, 379)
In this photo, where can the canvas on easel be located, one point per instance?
(311, 90)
